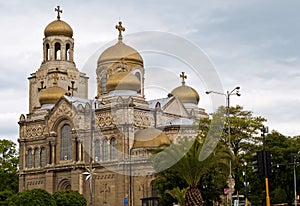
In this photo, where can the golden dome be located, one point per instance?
(51, 95)
(123, 81)
(120, 51)
(58, 27)
(149, 137)
(186, 94)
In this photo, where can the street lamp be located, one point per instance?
(235, 91)
(246, 184)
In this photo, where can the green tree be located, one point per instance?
(189, 168)
(8, 166)
(35, 197)
(69, 198)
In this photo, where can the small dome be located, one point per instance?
(51, 95)
(120, 51)
(150, 137)
(123, 81)
(58, 27)
(186, 94)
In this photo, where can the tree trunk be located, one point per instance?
(193, 197)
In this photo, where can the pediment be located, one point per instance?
(174, 106)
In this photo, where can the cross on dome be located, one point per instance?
(183, 76)
(58, 10)
(120, 28)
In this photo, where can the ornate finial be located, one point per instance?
(120, 28)
(58, 12)
(55, 78)
(183, 76)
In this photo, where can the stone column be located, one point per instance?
(53, 149)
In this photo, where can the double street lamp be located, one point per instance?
(235, 91)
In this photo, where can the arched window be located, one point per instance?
(36, 158)
(47, 52)
(66, 143)
(103, 83)
(104, 150)
(67, 55)
(97, 150)
(29, 160)
(113, 150)
(57, 51)
(138, 75)
(43, 157)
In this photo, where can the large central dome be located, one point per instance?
(120, 51)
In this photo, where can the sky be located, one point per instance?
(252, 44)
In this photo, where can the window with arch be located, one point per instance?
(67, 55)
(36, 158)
(103, 83)
(97, 150)
(105, 150)
(57, 49)
(66, 143)
(47, 52)
(29, 158)
(43, 157)
(138, 75)
(113, 150)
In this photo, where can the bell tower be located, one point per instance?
(58, 61)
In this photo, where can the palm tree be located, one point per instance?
(186, 156)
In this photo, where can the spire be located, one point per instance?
(183, 76)
(120, 28)
(58, 10)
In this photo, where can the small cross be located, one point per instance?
(183, 76)
(42, 86)
(120, 28)
(71, 88)
(58, 12)
(55, 78)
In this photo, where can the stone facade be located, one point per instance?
(69, 142)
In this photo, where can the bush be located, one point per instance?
(69, 198)
(35, 197)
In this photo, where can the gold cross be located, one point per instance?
(58, 12)
(183, 76)
(120, 28)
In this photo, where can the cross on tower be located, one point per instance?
(58, 12)
(120, 28)
(183, 76)
(71, 88)
(42, 86)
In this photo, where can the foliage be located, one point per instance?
(4, 196)
(8, 166)
(188, 170)
(69, 198)
(35, 197)
(178, 194)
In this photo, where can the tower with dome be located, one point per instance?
(99, 147)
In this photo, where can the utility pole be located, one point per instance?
(264, 131)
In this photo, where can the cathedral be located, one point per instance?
(98, 146)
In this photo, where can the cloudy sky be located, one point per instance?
(253, 44)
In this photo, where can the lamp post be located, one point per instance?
(235, 91)
(246, 184)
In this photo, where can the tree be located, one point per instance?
(189, 168)
(69, 198)
(32, 198)
(8, 166)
